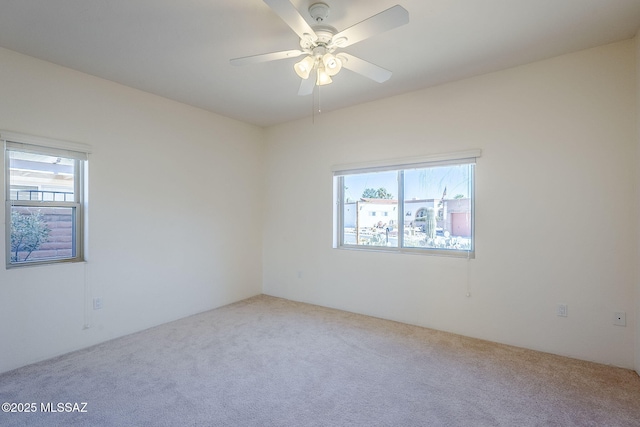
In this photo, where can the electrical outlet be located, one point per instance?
(563, 310)
(97, 303)
(620, 318)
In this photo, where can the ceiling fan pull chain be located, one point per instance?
(313, 108)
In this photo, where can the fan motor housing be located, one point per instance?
(325, 33)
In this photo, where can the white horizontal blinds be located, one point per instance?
(28, 148)
(30, 144)
(458, 158)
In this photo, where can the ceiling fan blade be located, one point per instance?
(365, 68)
(389, 19)
(307, 85)
(254, 59)
(290, 15)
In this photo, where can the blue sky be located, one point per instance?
(426, 183)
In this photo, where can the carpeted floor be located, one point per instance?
(272, 362)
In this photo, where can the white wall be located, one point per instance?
(555, 135)
(156, 165)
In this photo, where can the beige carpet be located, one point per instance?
(271, 362)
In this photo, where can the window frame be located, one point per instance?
(46, 146)
(400, 165)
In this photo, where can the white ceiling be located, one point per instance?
(180, 49)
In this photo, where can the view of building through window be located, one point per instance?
(43, 205)
(428, 208)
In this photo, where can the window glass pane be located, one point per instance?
(42, 233)
(40, 177)
(437, 207)
(370, 209)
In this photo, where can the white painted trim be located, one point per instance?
(44, 142)
(407, 163)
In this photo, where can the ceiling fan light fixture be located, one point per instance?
(323, 77)
(303, 68)
(332, 64)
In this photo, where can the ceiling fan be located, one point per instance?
(320, 42)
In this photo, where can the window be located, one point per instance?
(433, 196)
(45, 194)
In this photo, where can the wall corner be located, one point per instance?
(637, 204)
